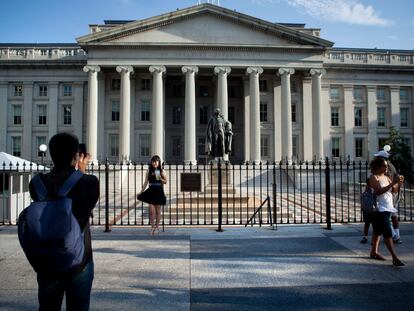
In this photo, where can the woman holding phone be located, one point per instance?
(154, 195)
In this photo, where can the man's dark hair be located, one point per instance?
(63, 148)
(376, 164)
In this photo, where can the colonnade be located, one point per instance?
(252, 111)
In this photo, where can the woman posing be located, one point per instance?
(154, 194)
(383, 187)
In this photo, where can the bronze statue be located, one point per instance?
(219, 136)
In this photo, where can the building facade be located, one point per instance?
(131, 89)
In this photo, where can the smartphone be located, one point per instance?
(82, 149)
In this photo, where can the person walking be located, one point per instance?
(76, 283)
(154, 195)
(383, 187)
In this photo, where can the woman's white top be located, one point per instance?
(385, 200)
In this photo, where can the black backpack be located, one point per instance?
(48, 232)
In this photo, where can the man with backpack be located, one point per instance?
(56, 276)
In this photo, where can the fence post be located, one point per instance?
(220, 196)
(274, 194)
(107, 196)
(328, 195)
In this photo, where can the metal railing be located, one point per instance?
(230, 194)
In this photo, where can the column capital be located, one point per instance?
(254, 70)
(222, 70)
(317, 72)
(91, 68)
(189, 69)
(126, 69)
(157, 69)
(287, 71)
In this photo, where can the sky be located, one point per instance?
(382, 24)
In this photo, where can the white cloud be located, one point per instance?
(346, 11)
(391, 37)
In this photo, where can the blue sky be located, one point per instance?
(383, 24)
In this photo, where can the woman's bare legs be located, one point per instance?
(152, 216)
(157, 210)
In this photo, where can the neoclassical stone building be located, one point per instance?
(131, 89)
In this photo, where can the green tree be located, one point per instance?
(401, 156)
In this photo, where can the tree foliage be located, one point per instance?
(401, 156)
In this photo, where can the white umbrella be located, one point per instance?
(12, 163)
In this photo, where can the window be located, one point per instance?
(145, 84)
(18, 90)
(67, 90)
(115, 110)
(404, 94)
(203, 90)
(42, 90)
(144, 145)
(176, 146)
(358, 117)
(263, 112)
(404, 112)
(176, 90)
(203, 114)
(201, 146)
(381, 93)
(231, 114)
(293, 86)
(359, 149)
(116, 84)
(358, 93)
(114, 145)
(145, 110)
(67, 115)
(263, 85)
(293, 112)
(335, 147)
(382, 142)
(295, 147)
(334, 116)
(264, 146)
(334, 93)
(381, 117)
(16, 146)
(176, 115)
(41, 114)
(40, 140)
(17, 114)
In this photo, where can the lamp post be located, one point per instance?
(43, 149)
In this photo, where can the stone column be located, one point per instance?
(254, 73)
(326, 114)
(102, 149)
(372, 121)
(157, 104)
(222, 96)
(308, 119)
(286, 113)
(277, 117)
(77, 110)
(125, 113)
(317, 112)
(92, 112)
(27, 120)
(3, 116)
(53, 117)
(246, 129)
(395, 106)
(190, 115)
(348, 122)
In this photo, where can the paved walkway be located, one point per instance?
(297, 267)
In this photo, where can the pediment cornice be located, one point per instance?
(131, 28)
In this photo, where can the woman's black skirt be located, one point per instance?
(153, 195)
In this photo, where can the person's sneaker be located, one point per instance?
(364, 240)
(397, 241)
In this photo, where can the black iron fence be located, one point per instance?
(227, 194)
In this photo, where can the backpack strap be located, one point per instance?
(69, 183)
(39, 188)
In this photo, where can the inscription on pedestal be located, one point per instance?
(191, 182)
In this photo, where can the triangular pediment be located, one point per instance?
(204, 24)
